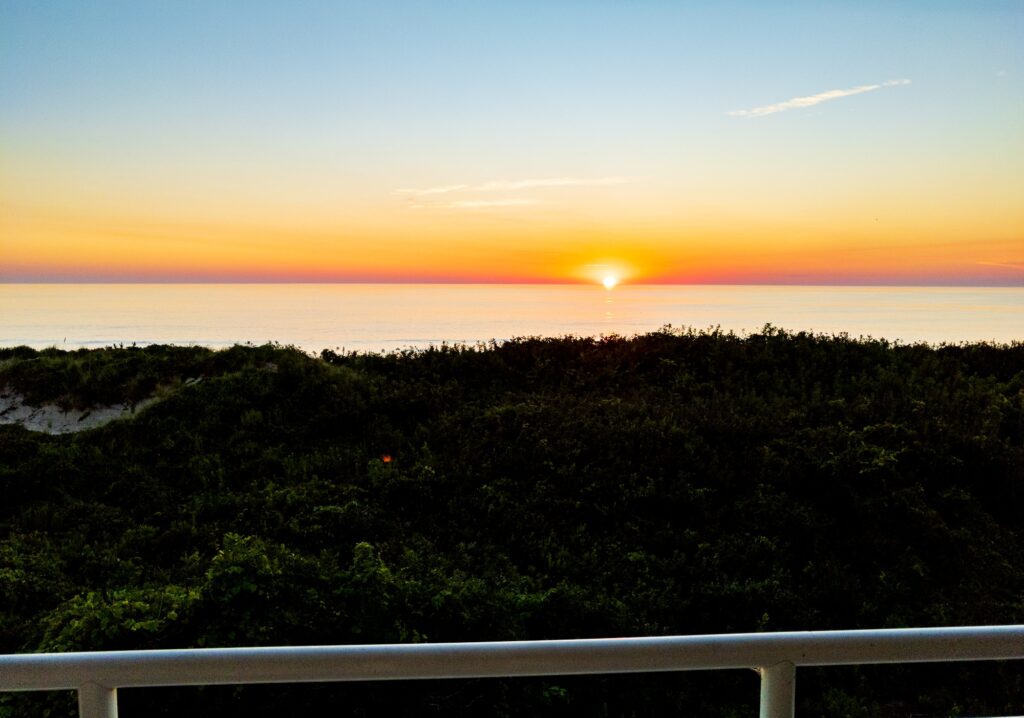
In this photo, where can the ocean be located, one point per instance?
(388, 317)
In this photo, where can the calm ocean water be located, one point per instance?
(383, 317)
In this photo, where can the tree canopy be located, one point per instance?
(677, 482)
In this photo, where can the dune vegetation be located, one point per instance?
(673, 483)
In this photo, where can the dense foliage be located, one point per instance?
(673, 483)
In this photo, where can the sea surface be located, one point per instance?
(387, 317)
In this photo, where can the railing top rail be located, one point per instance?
(209, 666)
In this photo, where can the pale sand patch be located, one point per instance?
(51, 419)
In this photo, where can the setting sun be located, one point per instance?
(609, 281)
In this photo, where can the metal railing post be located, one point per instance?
(96, 701)
(778, 690)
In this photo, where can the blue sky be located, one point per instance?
(235, 114)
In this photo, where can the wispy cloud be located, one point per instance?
(484, 203)
(812, 100)
(1011, 265)
(551, 182)
(433, 190)
(477, 203)
(514, 185)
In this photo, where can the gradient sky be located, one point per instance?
(548, 141)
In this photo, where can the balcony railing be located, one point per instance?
(776, 656)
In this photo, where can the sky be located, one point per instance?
(531, 141)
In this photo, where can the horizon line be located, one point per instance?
(531, 282)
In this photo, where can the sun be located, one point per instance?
(608, 273)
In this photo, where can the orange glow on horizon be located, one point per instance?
(38, 246)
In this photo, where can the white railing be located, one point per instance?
(97, 676)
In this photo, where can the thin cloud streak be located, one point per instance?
(812, 100)
(512, 186)
(484, 203)
(478, 204)
(433, 190)
(1012, 265)
(552, 182)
